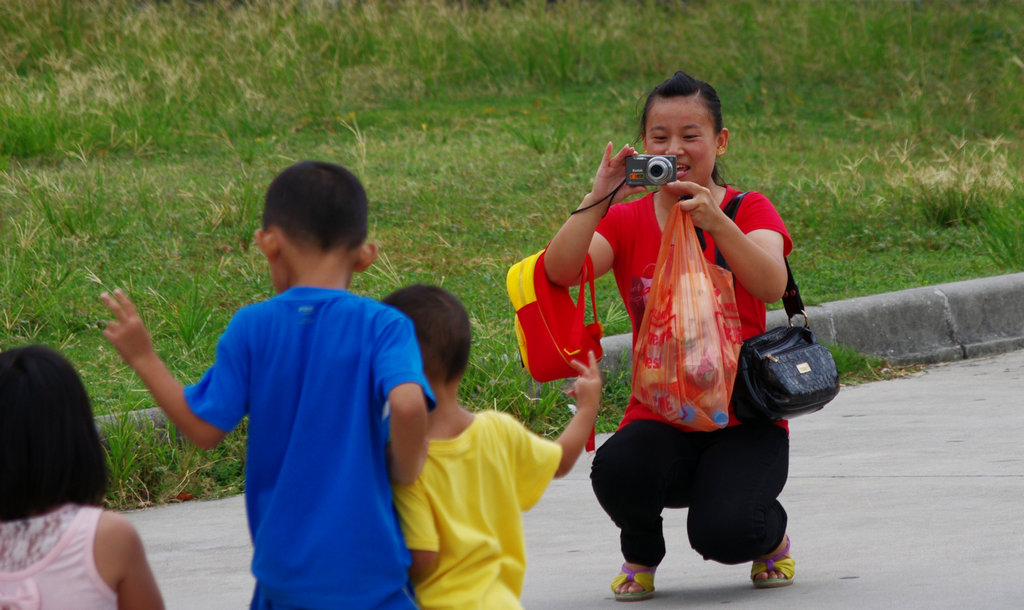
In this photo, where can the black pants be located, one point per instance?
(729, 479)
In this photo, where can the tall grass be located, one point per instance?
(137, 138)
(1004, 230)
(143, 76)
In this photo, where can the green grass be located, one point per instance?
(151, 465)
(137, 138)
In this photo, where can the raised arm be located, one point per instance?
(129, 336)
(587, 391)
(568, 249)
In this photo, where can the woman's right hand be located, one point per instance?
(610, 174)
(567, 251)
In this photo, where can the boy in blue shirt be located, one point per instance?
(334, 389)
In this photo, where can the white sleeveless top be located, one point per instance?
(47, 562)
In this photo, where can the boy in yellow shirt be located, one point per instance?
(462, 518)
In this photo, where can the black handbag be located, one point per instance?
(784, 372)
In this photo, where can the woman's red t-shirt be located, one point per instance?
(633, 232)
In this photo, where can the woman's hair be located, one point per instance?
(682, 84)
(50, 451)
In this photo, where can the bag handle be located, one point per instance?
(586, 278)
(578, 327)
(791, 299)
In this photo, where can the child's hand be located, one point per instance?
(579, 434)
(587, 387)
(127, 333)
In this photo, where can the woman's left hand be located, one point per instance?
(695, 199)
(756, 258)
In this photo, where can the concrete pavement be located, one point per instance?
(902, 494)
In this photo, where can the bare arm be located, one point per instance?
(755, 258)
(122, 564)
(587, 391)
(568, 249)
(129, 336)
(407, 450)
(421, 561)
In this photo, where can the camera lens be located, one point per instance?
(658, 169)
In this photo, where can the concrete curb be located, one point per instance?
(941, 323)
(141, 418)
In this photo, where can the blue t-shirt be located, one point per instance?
(312, 368)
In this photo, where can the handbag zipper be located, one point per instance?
(790, 348)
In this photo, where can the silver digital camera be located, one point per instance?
(650, 169)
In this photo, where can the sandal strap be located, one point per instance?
(644, 578)
(770, 562)
(631, 573)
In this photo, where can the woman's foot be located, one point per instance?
(634, 583)
(776, 569)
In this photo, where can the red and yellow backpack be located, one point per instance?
(551, 328)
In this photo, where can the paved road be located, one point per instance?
(902, 494)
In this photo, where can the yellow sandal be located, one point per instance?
(644, 578)
(780, 562)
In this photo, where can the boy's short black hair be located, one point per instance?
(318, 203)
(442, 328)
(50, 451)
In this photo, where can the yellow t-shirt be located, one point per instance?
(467, 506)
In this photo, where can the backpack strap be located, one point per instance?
(791, 299)
(579, 320)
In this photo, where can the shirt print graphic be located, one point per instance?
(639, 288)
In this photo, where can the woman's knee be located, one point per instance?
(739, 535)
(713, 534)
(633, 469)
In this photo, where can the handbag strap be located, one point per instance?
(791, 299)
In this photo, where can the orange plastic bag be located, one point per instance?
(690, 336)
